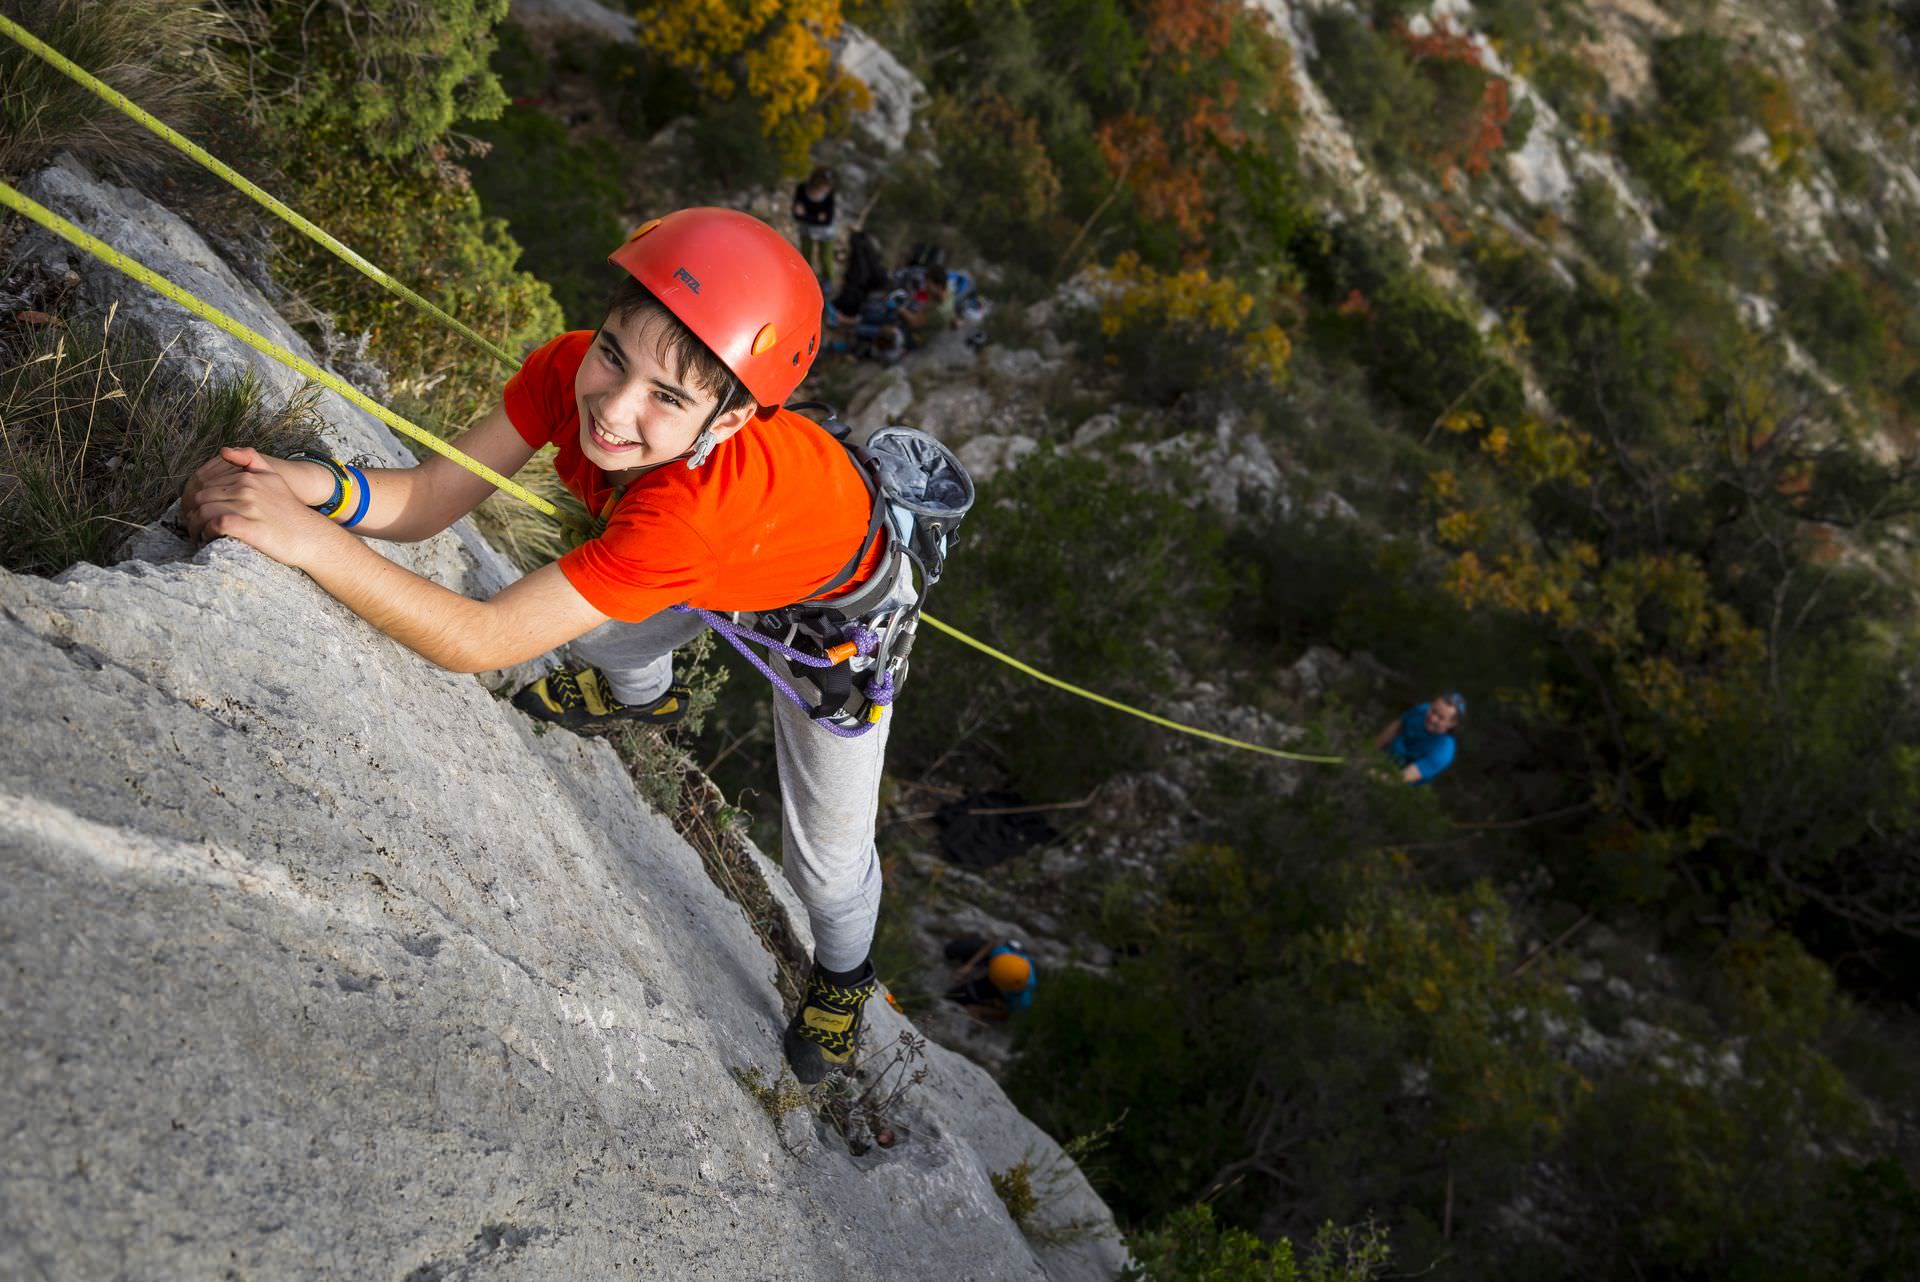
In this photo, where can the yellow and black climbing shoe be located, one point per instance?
(823, 1033)
(578, 699)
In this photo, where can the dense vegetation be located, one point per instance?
(1678, 569)
(1644, 486)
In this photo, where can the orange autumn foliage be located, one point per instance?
(1189, 28)
(1136, 153)
(1471, 152)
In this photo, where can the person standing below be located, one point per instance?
(1421, 740)
(813, 210)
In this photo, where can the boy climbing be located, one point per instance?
(669, 426)
(1420, 740)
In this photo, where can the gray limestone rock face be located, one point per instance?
(895, 92)
(318, 961)
(882, 401)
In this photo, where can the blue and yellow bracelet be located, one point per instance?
(350, 488)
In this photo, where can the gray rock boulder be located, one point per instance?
(959, 411)
(882, 401)
(1236, 467)
(987, 455)
(895, 93)
(576, 15)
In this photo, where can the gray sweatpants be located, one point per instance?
(829, 786)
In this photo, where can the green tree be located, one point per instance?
(393, 74)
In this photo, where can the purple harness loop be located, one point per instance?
(879, 690)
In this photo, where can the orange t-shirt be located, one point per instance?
(774, 512)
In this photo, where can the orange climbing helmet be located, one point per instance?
(740, 286)
(1009, 972)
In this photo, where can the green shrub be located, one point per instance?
(1122, 565)
(1371, 83)
(157, 52)
(426, 228)
(1017, 212)
(1190, 1246)
(1605, 227)
(394, 75)
(1875, 53)
(561, 203)
(1406, 98)
(1683, 148)
(1572, 86)
(1097, 1046)
(99, 438)
(1734, 1160)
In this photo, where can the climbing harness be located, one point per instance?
(876, 693)
(856, 645)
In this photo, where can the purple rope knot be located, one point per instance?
(880, 689)
(865, 639)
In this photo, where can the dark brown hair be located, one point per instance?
(677, 346)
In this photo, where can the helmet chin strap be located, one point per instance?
(703, 444)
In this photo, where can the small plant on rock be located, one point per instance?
(865, 1106)
(1029, 1188)
(779, 1097)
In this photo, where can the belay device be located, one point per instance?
(857, 645)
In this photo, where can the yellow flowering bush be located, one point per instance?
(773, 51)
(1175, 331)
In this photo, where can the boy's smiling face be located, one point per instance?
(636, 410)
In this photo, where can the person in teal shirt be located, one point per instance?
(1421, 740)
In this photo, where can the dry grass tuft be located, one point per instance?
(157, 52)
(98, 435)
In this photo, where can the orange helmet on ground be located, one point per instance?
(742, 289)
(1009, 972)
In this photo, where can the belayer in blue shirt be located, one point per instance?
(1420, 740)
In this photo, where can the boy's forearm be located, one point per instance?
(402, 509)
(392, 512)
(438, 625)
